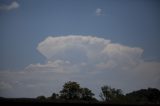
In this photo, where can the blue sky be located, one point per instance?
(131, 22)
(26, 23)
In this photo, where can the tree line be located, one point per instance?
(72, 91)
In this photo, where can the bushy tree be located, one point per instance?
(54, 96)
(71, 90)
(86, 94)
(150, 95)
(110, 94)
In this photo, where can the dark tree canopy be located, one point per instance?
(71, 90)
(54, 96)
(86, 94)
(150, 95)
(110, 94)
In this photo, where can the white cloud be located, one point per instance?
(90, 50)
(78, 45)
(99, 12)
(57, 66)
(91, 61)
(11, 6)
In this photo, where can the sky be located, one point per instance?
(45, 43)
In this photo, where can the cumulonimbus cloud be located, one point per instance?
(11, 6)
(91, 61)
(89, 50)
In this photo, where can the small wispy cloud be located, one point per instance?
(99, 12)
(11, 6)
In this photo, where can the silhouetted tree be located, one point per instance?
(110, 94)
(54, 96)
(150, 95)
(71, 90)
(86, 94)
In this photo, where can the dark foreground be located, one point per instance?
(30, 101)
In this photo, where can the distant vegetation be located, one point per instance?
(72, 92)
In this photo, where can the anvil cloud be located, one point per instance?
(91, 61)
